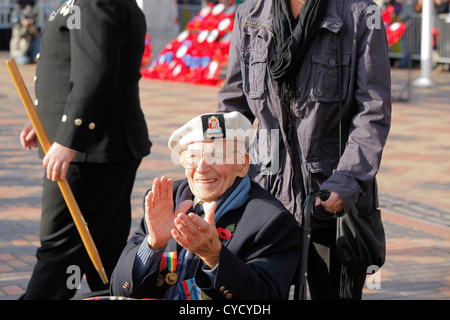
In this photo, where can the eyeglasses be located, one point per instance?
(214, 157)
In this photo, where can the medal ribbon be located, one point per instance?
(189, 290)
(169, 260)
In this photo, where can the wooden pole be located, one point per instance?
(63, 184)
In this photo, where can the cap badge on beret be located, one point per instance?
(213, 126)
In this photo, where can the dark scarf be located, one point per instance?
(293, 40)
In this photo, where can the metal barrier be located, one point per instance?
(186, 12)
(43, 9)
(409, 45)
(442, 24)
(5, 12)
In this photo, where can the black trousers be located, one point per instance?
(324, 270)
(102, 192)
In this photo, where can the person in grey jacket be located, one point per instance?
(290, 64)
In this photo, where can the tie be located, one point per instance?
(199, 209)
(186, 255)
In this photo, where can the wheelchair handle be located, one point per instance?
(309, 203)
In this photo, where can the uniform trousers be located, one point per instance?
(102, 192)
(324, 269)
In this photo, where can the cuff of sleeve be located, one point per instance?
(346, 187)
(147, 260)
(210, 273)
(75, 132)
(144, 253)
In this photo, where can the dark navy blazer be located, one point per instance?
(87, 75)
(257, 262)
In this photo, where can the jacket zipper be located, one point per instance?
(290, 126)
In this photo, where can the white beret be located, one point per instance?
(212, 126)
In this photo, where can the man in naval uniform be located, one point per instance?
(246, 246)
(87, 97)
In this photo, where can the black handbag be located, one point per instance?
(360, 236)
(360, 245)
(360, 239)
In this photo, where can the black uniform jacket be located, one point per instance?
(257, 262)
(87, 80)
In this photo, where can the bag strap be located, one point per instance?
(339, 92)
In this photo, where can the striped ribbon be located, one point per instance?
(169, 260)
(189, 290)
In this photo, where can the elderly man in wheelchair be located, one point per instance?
(243, 244)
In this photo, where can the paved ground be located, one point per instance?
(414, 182)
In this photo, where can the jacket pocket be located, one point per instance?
(254, 61)
(326, 84)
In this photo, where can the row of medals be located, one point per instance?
(63, 9)
(170, 278)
